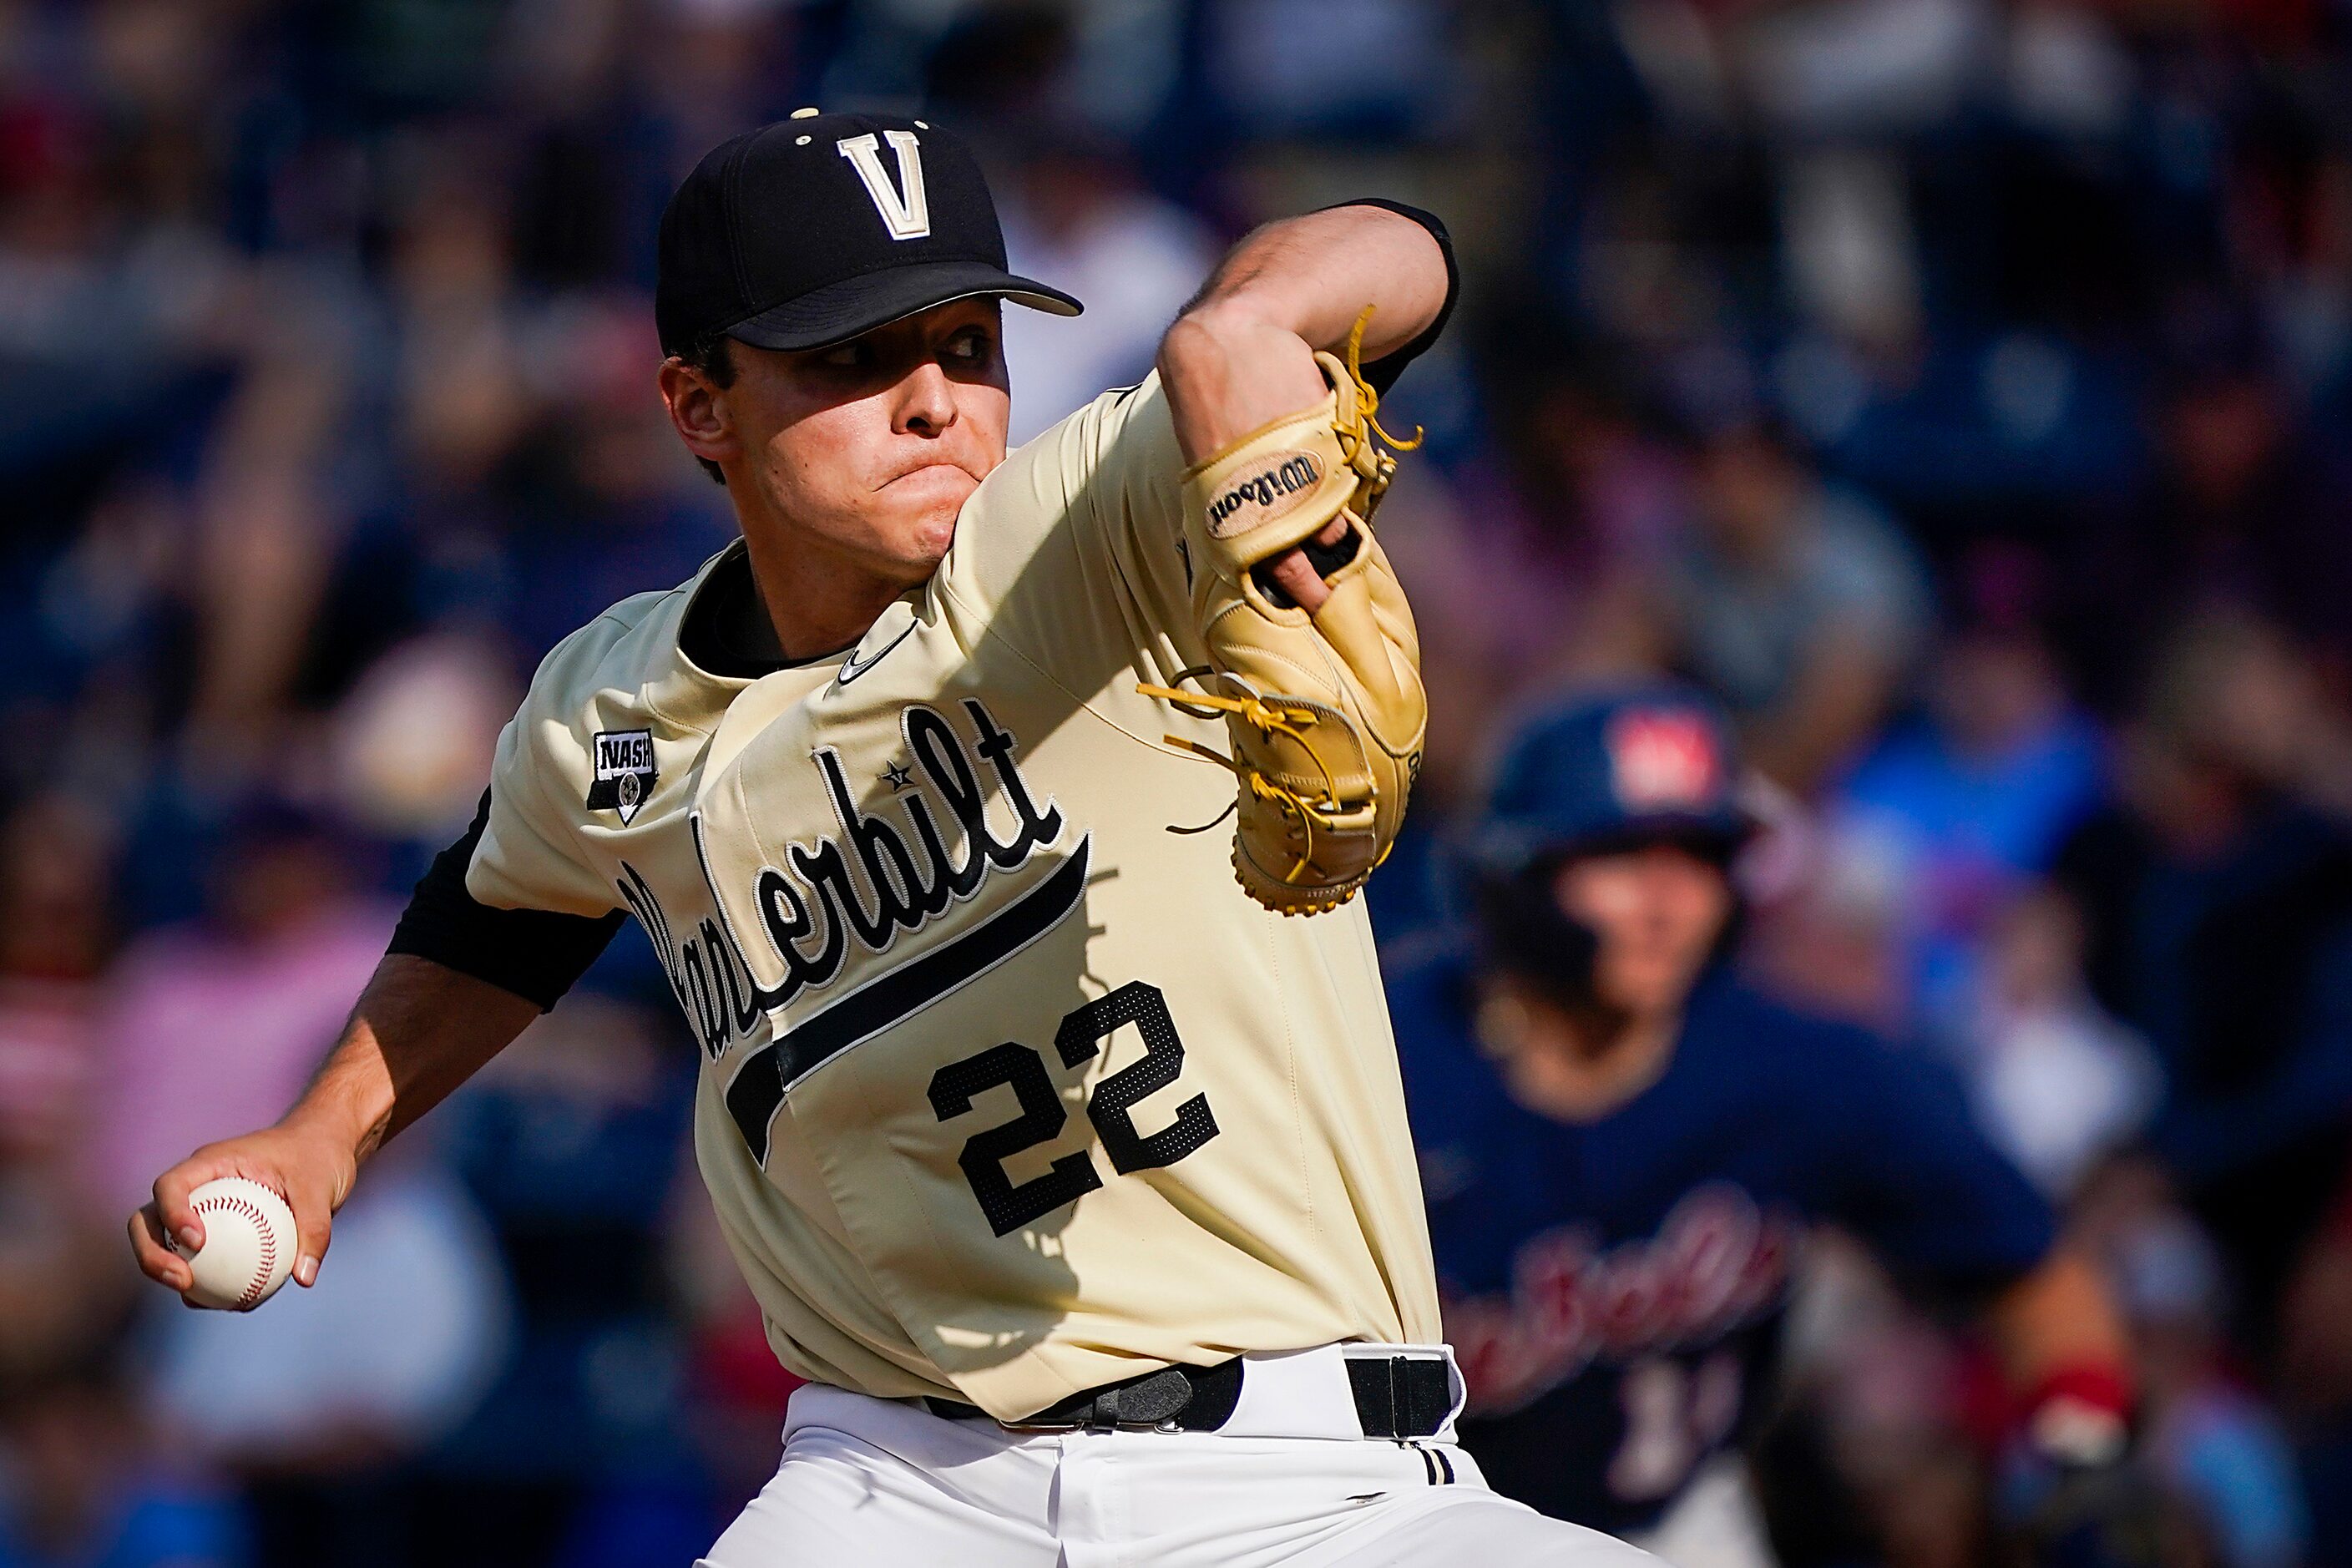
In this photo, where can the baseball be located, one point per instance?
(248, 1247)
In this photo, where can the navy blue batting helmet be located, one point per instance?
(1627, 766)
(1616, 770)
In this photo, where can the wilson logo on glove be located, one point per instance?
(1286, 477)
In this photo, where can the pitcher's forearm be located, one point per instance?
(350, 1100)
(1314, 275)
(1242, 355)
(419, 1031)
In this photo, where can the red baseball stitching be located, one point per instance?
(225, 1203)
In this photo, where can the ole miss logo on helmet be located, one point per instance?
(1663, 759)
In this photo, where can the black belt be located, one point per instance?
(1396, 1396)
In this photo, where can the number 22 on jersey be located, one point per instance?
(1008, 1205)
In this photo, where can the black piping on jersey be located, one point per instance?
(761, 1083)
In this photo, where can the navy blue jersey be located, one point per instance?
(1616, 1288)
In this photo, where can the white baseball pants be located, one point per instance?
(877, 1483)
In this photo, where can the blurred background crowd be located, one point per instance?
(1959, 389)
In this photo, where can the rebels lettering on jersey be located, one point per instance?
(1008, 1090)
(1718, 1264)
(1616, 1288)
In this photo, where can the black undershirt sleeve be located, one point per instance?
(1383, 372)
(536, 954)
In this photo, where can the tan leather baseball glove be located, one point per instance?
(1326, 711)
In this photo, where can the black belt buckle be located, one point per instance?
(1153, 1403)
(1172, 1399)
(1148, 1404)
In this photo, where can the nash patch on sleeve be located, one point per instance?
(625, 773)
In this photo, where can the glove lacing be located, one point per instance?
(1356, 421)
(1270, 718)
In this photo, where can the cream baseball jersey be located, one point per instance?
(1008, 1090)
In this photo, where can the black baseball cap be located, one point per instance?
(813, 229)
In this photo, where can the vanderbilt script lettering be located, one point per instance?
(878, 876)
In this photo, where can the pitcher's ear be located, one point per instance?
(697, 411)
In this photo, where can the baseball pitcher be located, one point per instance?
(997, 819)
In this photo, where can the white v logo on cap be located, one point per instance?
(909, 218)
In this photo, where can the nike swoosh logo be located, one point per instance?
(851, 669)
